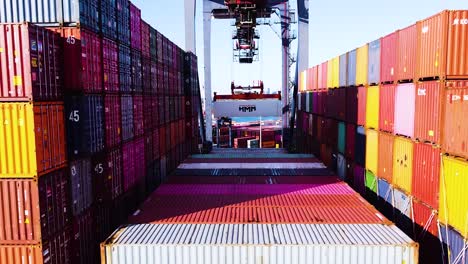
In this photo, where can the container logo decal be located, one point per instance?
(463, 21)
(422, 92)
(247, 108)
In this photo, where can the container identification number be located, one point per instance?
(458, 21)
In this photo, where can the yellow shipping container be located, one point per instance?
(372, 107)
(361, 65)
(403, 163)
(303, 81)
(333, 73)
(330, 74)
(372, 150)
(17, 141)
(453, 204)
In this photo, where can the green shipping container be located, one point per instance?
(371, 181)
(341, 137)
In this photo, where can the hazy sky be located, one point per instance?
(335, 27)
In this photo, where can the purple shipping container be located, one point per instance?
(81, 185)
(112, 118)
(140, 165)
(146, 75)
(108, 180)
(129, 170)
(135, 27)
(405, 100)
(138, 123)
(85, 246)
(145, 39)
(127, 117)
(110, 61)
(315, 104)
(351, 104)
(148, 148)
(54, 202)
(125, 69)
(351, 80)
(137, 75)
(344, 70)
(148, 106)
(359, 179)
(154, 78)
(156, 143)
(373, 66)
(123, 21)
(57, 249)
(457, 250)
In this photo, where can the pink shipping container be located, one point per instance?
(128, 165)
(29, 63)
(426, 174)
(322, 73)
(361, 105)
(110, 62)
(428, 112)
(83, 62)
(312, 78)
(407, 53)
(138, 116)
(145, 39)
(387, 107)
(112, 117)
(404, 109)
(455, 136)
(135, 27)
(388, 60)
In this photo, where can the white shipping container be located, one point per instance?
(259, 243)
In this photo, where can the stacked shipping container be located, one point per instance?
(411, 135)
(102, 83)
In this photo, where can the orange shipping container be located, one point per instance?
(385, 169)
(428, 112)
(31, 254)
(407, 51)
(455, 136)
(443, 45)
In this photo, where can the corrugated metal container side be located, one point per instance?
(343, 70)
(135, 27)
(456, 244)
(127, 117)
(388, 60)
(385, 191)
(407, 53)
(149, 106)
(85, 125)
(373, 67)
(57, 249)
(350, 140)
(140, 164)
(453, 186)
(154, 78)
(153, 44)
(125, 69)
(442, 45)
(84, 246)
(112, 175)
(123, 21)
(359, 179)
(322, 75)
(83, 62)
(351, 69)
(81, 185)
(110, 62)
(32, 139)
(302, 81)
(402, 202)
(360, 146)
(361, 105)
(18, 253)
(426, 174)
(109, 19)
(425, 217)
(145, 39)
(362, 64)
(146, 75)
(387, 107)
(312, 78)
(371, 182)
(112, 116)
(129, 170)
(404, 109)
(137, 75)
(455, 136)
(54, 202)
(372, 107)
(385, 169)
(403, 163)
(30, 63)
(19, 212)
(341, 146)
(351, 104)
(341, 166)
(333, 73)
(372, 150)
(138, 125)
(427, 125)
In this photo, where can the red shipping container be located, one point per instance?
(19, 213)
(387, 107)
(351, 104)
(85, 246)
(322, 72)
(407, 53)
(140, 165)
(155, 134)
(428, 112)
(57, 249)
(135, 27)
(388, 59)
(385, 155)
(455, 136)
(361, 105)
(145, 39)
(443, 48)
(83, 62)
(138, 116)
(425, 217)
(30, 67)
(128, 165)
(350, 140)
(112, 115)
(426, 174)
(110, 62)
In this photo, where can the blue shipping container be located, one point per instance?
(373, 70)
(351, 80)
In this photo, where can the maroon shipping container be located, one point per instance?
(407, 53)
(148, 106)
(137, 74)
(103, 217)
(350, 140)
(145, 39)
(321, 124)
(128, 156)
(58, 248)
(30, 63)
(135, 27)
(426, 174)
(82, 57)
(361, 113)
(331, 133)
(140, 165)
(155, 111)
(108, 176)
(162, 141)
(351, 104)
(146, 75)
(455, 136)
(138, 125)
(110, 62)
(85, 246)
(155, 134)
(148, 148)
(428, 112)
(154, 77)
(388, 59)
(112, 115)
(387, 107)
